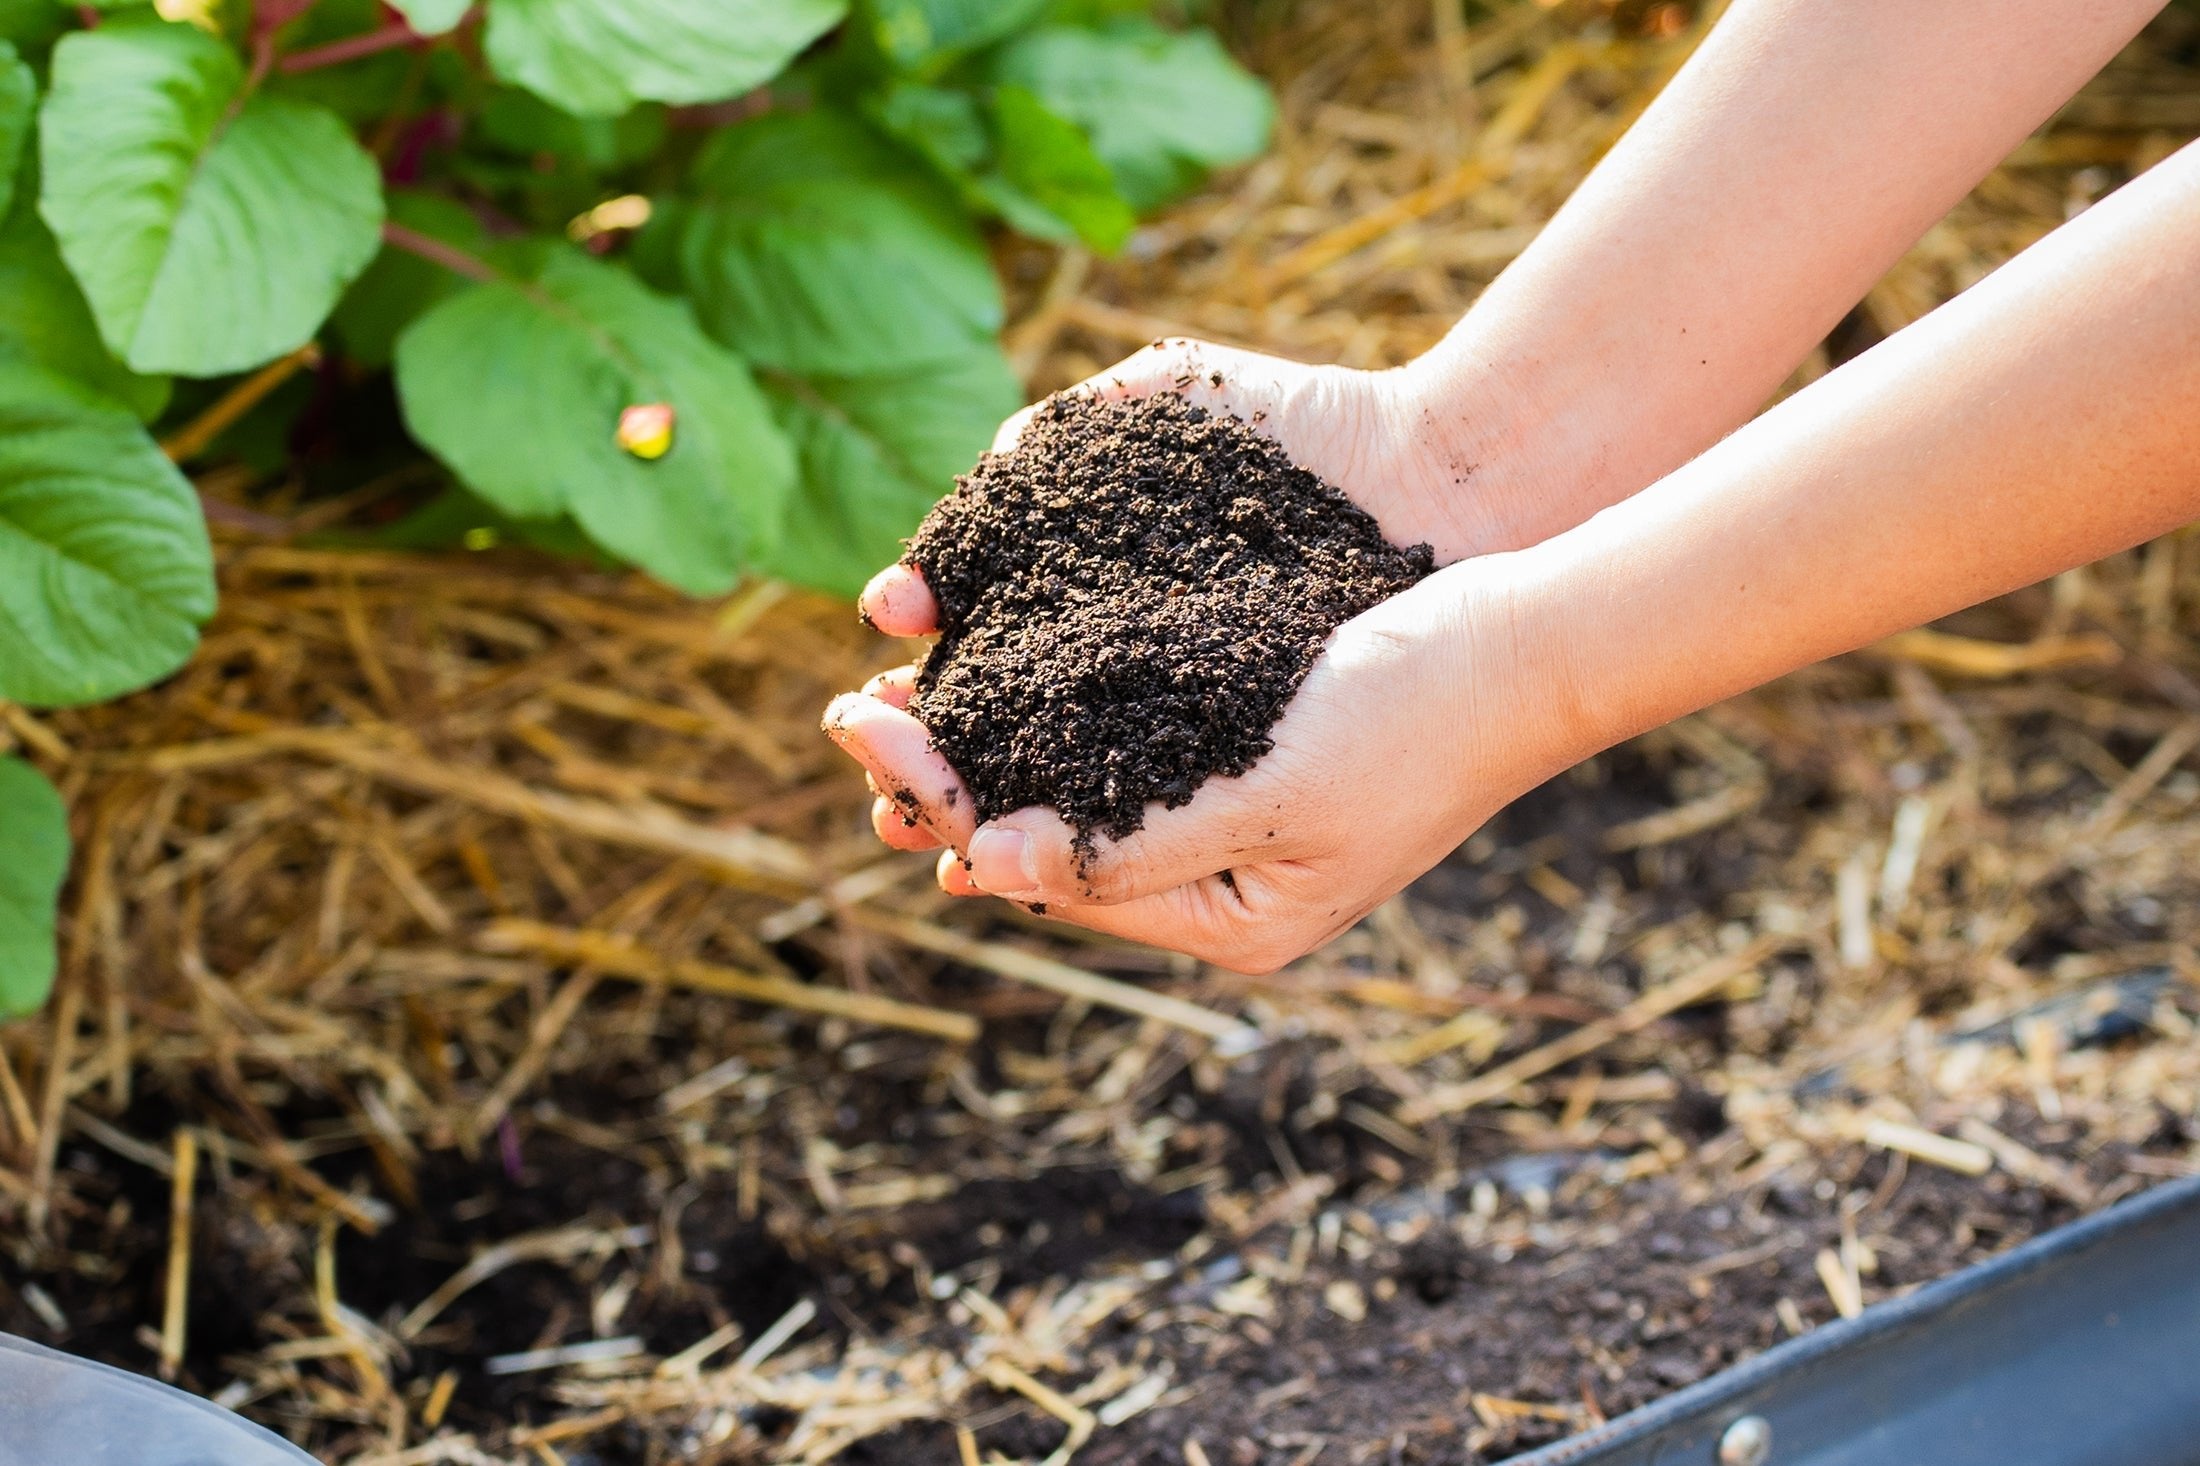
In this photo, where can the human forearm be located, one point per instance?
(1798, 154)
(2049, 416)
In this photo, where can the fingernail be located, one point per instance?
(1002, 862)
(836, 714)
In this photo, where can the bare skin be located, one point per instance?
(2049, 416)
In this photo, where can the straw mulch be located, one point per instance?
(489, 1033)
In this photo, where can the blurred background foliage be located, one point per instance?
(698, 286)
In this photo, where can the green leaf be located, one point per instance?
(363, 90)
(525, 126)
(400, 287)
(599, 57)
(31, 25)
(815, 247)
(44, 320)
(924, 35)
(1161, 107)
(1051, 183)
(105, 571)
(519, 387)
(206, 243)
(18, 103)
(432, 17)
(1021, 162)
(946, 126)
(876, 451)
(34, 858)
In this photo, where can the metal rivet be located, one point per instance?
(1747, 1442)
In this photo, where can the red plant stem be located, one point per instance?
(268, 17)
(263, 61)
(351, 48)
(273, 15)
(435, 251)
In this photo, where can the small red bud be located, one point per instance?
(645, 430)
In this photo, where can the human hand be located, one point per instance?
(1259, 869)
(1369, 433)
(1420, 720)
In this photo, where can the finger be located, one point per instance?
(1035, 855)
(899, 603)
(1257, 920)
(900, 830)
(1005, 438)
(896, 751)
(954, 876)
(1228, 923)
(894, 687)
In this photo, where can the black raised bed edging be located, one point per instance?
(2079, 1348)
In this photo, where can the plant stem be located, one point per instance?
(351, 48)
(273, 15)
(263, 61)
(393, 123)
(197, 435)
(268, 19)
(434, 250)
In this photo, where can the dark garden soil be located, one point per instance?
(1431, 1348)
(1128, 600)
(1440, 1326)
(1325, 1296)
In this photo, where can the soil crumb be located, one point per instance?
(1128, 601)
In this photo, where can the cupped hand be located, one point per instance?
(1419, 721)
(1366, 432)
(1368, 784)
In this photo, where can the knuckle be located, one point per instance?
(1103, 881)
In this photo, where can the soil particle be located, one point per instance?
(1128, 601)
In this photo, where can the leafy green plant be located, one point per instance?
(34, 855)
(702, 286)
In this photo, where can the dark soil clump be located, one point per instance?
(1128, 601)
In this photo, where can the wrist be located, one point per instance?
(1552, 681)
(1502, 680)
(1491, 440)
